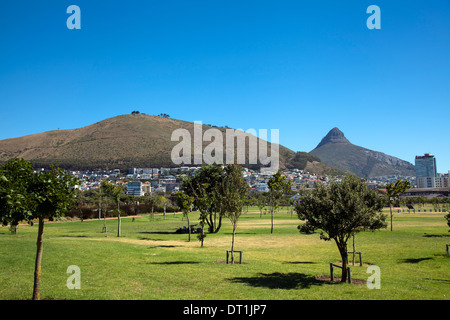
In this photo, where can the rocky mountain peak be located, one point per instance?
(333, 136)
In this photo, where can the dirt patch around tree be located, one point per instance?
(224, 262)
(327, 278)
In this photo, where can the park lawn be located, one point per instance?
(150, 261)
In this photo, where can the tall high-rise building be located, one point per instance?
(426, 172)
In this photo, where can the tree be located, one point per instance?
(261, 200)
(234, 192)
(114, 192)
(26, 195)
(340, 210)
(394, 190)
(447, 217)
(150, 199)
(204, 188)
(15, 202)
(184, 201)
(278, 186)
(164, 202)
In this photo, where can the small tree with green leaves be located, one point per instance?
(234, 192)
(261, 202)
(16, 202)
(184, 201)
(339, 211)
(278, 186)
(151, 199)
(25, 195)
(114, 192)
(163, 202)
(203, 188)
(394, 190)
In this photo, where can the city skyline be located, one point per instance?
(302, 68)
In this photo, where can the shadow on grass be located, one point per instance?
(439, 280)
(415, 260)
(299, 262)
(162, 246)
(278, 280)
(426, 235)
(158, 232)
(150, 239)
(175, 262)
(71, 236)
(229, 233)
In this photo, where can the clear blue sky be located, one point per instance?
(302, 67)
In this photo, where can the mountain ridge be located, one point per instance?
(337, 151)
(123, 142)
(333, 136)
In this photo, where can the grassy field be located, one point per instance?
(150, 261)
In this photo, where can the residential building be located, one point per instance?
(146, 187)
(134, 188)
(261, 187)
(442, 180)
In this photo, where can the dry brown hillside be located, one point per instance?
(120, 142)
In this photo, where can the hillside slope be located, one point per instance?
(121, 142)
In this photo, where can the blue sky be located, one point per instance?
(302, 67)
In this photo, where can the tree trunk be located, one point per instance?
(37, 267)
(189, 228)
(390, 208)
(343, 251)
(219, 225)
(99, 206)
(354, 249)
(213, 226)
(104, 222)
(118, 222)
(210, 222)
(232, 243)
(203, 235)
(344, 267)
(271, 220)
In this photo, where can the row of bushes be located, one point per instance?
(91, 212)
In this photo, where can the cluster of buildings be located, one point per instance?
(139, 181)
(426, 173)
(429, 183)
(300, 179)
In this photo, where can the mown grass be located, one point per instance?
(150, 261)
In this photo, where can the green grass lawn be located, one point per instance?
(150, 261)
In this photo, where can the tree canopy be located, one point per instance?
(340, 210)
(185, 201)
(394, 190)
(26, 195)
(234, 192)
(278, 186)
(204, 187)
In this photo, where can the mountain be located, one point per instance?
(122, 142)
(338, 152)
